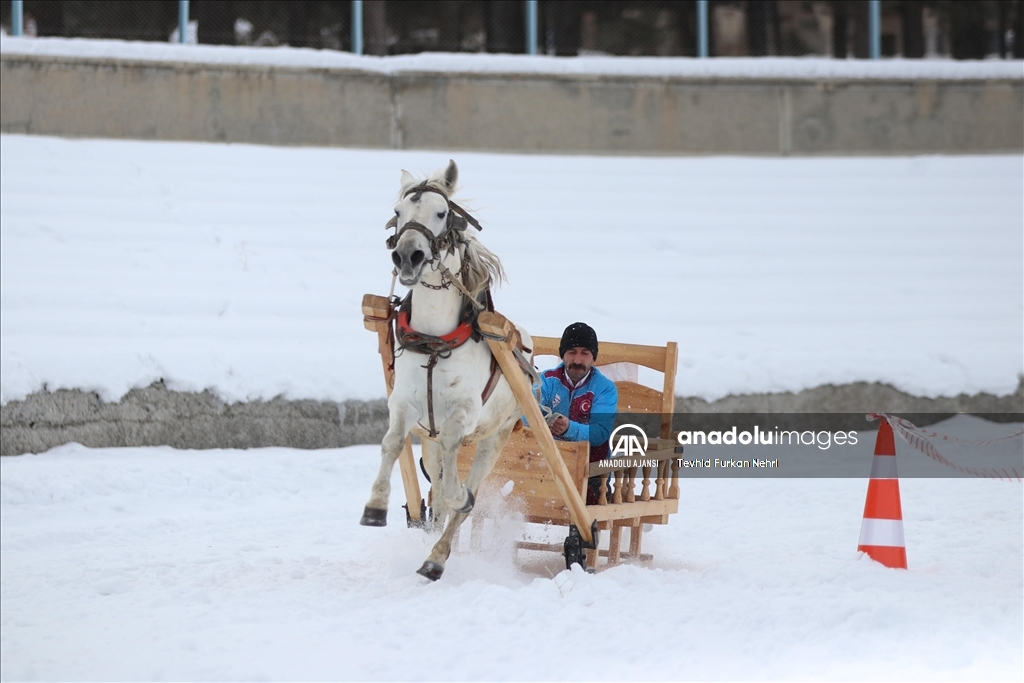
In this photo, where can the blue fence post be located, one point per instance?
(357, 27)
(182, 21)
(17, 17)
(531, 27)
(702, 28)
(875, 28)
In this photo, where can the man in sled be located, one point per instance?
(583, 401)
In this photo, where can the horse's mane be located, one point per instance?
(484, 267)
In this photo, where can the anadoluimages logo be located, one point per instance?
(628, 444)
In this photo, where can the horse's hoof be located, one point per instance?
(431, 570)
(374, 517)
(470, 502)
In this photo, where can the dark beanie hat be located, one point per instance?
(578, 334)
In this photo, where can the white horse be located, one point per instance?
(447, 389)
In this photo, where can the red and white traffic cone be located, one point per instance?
(881, 534)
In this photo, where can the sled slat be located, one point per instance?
(652, 357)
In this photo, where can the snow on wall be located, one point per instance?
(766, 68)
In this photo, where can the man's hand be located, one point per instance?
(559, 425)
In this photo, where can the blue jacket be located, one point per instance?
(590, 407)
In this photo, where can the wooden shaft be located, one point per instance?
(410, 480)
(495, 324)
(379, 307)
(387, 357)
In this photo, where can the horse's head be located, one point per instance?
(424, 218)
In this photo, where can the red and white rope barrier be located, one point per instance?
(920, 439)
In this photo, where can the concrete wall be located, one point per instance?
(155, 416)
(150, 100)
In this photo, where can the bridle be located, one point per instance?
(450, 237)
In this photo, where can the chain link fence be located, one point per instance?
(961, 29)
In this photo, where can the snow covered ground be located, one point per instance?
(155, 564)
(240, 268)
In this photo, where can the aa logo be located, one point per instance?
(627, 444)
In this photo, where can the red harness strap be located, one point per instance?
(454, 339)
(492, 381)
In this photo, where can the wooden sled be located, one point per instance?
(549, 477)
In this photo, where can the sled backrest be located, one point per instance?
(633, 396)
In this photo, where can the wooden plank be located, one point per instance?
(534, 489)
(613, 545)
(622, 514)
(558, 548)
(522, 462)
(655, 519)
(565, 520)
(652, 357)
(636, 535)
(546, 346)
(476, 536)
(546, 547)
(375, 306)
(633, 510)
(592, 556)
(642, 557)
(636, 398)
(495, 325)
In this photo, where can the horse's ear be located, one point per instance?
(407, 178)
(451, 174)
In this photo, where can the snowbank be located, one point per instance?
(240, 269)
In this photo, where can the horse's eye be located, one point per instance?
(442, 214)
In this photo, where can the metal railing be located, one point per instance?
(962, 29)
